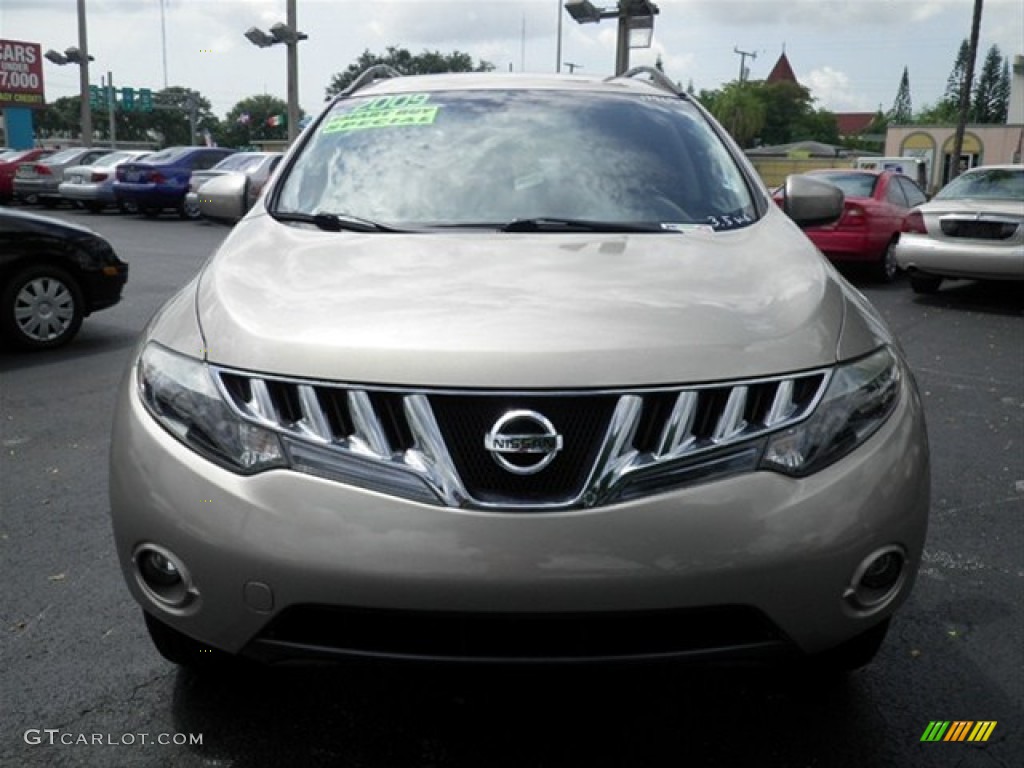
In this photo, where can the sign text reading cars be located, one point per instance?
(21, 74)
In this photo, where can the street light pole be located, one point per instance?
(293, 76)
(83, 77)
(633, 15)
(558, 51)
(622, 45)
(289, 35)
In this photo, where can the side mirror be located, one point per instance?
(223, 197)
(811, 203)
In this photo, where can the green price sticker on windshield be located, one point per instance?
(384, 112)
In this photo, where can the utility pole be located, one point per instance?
(743, 61)
(558, 50)
(83, 76)
(111, 94)
(965, 93)
(293, 74)
(163, 40)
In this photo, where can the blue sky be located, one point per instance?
(851, 54)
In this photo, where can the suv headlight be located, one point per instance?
(181, 394)
(860, 397)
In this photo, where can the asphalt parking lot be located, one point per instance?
(80, 684)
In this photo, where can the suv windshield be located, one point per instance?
(489, 157)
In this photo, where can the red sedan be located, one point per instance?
(876, 206)
(9, 164)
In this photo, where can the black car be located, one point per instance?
(52, 274)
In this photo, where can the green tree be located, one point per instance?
(786, 107)
(985, 101)
(59, 119)
(902, 111)
(955, 81)
(740, 111)
(169, 124)
(1001, 102)
(818, 125)
(251, 119)
(426, 63)
(941, 112)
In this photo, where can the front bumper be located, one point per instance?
(259, 549)
(984, 260)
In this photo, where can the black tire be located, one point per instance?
(885, 270)
(149, 211)
(93, 207)
(855, 653)
(925, 284)
(42, 307)
(127, 207)
(189, 212)
(182, 650)
(49, 202)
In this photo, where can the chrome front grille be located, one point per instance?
(617, 444)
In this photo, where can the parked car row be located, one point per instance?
(53, 273)
(973, 228)
(136, 180)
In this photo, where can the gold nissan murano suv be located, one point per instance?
(507, 368)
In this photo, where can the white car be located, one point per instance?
(93, 185)
(973, 228)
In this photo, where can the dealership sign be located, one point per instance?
(21, 74)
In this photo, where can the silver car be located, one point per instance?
(250, 172)
(973, 228)
(93, 185)
(39, 181)
(520, 368)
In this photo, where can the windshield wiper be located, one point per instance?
(336, 222)
(542, 224)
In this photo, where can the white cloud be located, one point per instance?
(835, 91)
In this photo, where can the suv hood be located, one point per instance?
(498, 310)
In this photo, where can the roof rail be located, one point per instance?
(370, 75)
(656, 77)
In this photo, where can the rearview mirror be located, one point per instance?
(810, 202)
(223, 197)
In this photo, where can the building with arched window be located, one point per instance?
(983, 145)
(988, 144)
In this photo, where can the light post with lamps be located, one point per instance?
(75, 55)
(636, 24)
(287, 34)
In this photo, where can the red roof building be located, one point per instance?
(782, 72)
(853, 123)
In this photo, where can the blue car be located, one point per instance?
(161, 181)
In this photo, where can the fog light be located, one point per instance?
(163, 577)
(883, 571)
(877, 579)
(159, 569)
